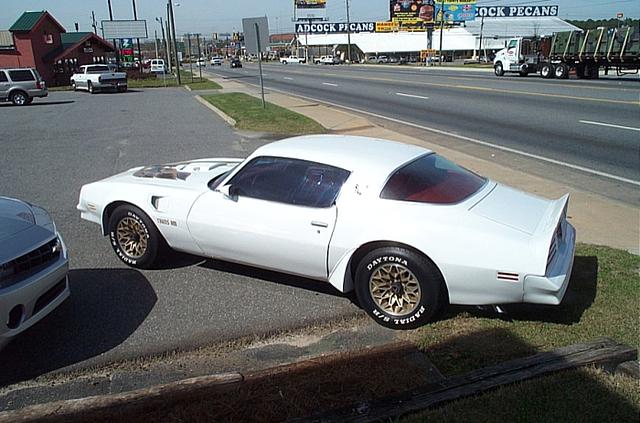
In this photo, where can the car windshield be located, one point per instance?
(432, 179)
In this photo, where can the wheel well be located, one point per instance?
(108, 211)
(13, 92)
(365, 249)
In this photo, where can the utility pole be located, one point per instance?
(169, 46)
(306, 44)
(93, 22)
(199, 54)
(175, 43)
(440, 60)
(164, 40)
(115, 45)
(480, 43)
(155, 39)
(189, 55)
(135, 18)
(348, 33)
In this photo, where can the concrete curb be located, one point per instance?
(188, 88)
(231, 121)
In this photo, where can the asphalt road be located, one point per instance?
(53, 147)
(593, 125)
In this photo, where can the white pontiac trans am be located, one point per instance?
(404, 227)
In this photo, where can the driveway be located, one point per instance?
(53, 147)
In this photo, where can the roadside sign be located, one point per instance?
(250, 38)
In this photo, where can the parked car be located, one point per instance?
(94, 78)
(235, 63)
(217, 61)
(202, 62)
(33, 267)
(157, 66)
(326, 60)
(403, 226)
(292, 59)
(382, 59)
(21, 85)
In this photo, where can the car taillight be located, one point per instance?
(39, 85)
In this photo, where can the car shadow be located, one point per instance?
(579, 296)
(277, 277)
(105, 307)
(42, 103)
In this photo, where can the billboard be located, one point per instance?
(309, 9)
(419, 14)
(124, 29)
(515, 11)
(335, 27)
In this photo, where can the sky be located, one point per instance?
(208, 16)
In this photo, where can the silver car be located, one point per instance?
(33, 267)
(21, 85)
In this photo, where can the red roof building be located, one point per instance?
(37, 40)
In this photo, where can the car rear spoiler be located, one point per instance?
(552, 221)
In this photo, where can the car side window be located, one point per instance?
(3, 76)
(21, 75)
(290, 181)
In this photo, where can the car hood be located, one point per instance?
(15, 217)
(190, 175)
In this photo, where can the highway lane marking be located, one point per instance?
(471, 140)
(611, 125)
(330, 84)
(287, 78)
(536, 81)
(497, 90)
(412, 96)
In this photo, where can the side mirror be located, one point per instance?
(229, 191)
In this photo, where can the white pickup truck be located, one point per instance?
(292, 59)
(95, 78)
(326, 60)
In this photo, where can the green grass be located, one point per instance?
(60, 88)
(586, 395)
(171, 81)
(203, 84)
(249, 115)
(602, 300)
(152, 82)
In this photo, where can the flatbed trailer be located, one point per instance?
(581, 52)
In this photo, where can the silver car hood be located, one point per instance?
(15, 216)
(18, 237)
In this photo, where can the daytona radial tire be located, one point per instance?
(134, 238)
(398, 288)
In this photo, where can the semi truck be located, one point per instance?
(581, 52)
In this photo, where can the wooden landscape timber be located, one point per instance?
(600, 352)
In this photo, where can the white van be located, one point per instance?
(157, 66)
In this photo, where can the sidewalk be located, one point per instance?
(598, 220)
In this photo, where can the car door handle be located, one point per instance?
(319, 224)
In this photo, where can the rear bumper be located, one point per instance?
(550, 289)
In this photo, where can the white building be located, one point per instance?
(464, 41)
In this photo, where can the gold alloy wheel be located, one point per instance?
(132, 237)
(395, 289)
